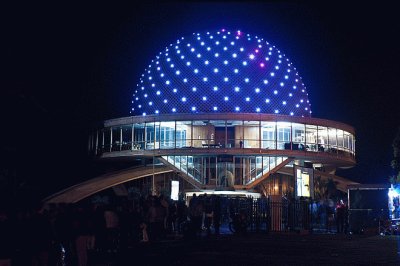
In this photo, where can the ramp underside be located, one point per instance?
(85, 189)
(267, 174)
(196, 184)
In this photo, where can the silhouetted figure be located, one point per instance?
(84, 235)
(40, 237)
(196, 215)
(181, 216)
(340, 209)
(330, 213)
(208, 214)
(6, 239)
(112, 229)
(217, 213)
(161, 214)
(346, 218)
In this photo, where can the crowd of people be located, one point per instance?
(330, 217)
(44, 235)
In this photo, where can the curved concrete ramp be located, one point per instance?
(85, 189)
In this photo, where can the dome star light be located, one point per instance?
(244, 70)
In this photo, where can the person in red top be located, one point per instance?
(340, 215)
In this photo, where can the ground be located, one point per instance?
(263, 249)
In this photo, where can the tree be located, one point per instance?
(325, 188)
(319, 188)
(395, 179)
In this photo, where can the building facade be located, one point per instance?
(225, 111)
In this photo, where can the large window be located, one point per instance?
(332, 137)
(152, 136)
(116, 139)
(126, 137)
(311, 138)
(340, 138)
(251, 131)
(268, 135)
(183, 134)
(322, 138)
(138, 137)
(283, 135)
(167, 133)
(107, 139)
(298, 137)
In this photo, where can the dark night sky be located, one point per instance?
(67, 66)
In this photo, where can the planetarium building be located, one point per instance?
(224, 112)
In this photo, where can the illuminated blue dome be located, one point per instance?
(221, 72)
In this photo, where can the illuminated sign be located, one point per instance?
(174, 190)
(304, 182)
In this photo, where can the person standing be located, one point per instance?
(340, 216)
(112, 229)
(208, 214)
(6, 239)
(216, 213)
(330, 213)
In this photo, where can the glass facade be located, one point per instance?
(221, 151)
(224, 170)
(227, 134)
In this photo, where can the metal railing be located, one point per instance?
(265, 214)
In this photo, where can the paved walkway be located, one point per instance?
(263, 249)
